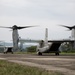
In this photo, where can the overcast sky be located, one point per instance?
(45, 13)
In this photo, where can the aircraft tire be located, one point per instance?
(12, 52)
(57, 54)
(4, 52)
(39, 53)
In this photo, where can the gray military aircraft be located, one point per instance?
(53, 45)
(46, 46)
(15, 35)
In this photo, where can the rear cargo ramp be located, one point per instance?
(54, 47)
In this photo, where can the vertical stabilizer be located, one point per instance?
(73, 34)
(46, 36)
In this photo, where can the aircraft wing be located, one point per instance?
(29, 41)
(37, 41)
(62, 40)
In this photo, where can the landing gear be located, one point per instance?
(12, 52)
(39, 53)
(57, 54)
(7, 52)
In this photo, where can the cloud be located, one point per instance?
(46, 13)
(49, 9)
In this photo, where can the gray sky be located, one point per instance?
(45, 13)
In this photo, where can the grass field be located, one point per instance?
(8, 68)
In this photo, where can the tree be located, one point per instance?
(31, 49)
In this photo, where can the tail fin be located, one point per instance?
(46, 37)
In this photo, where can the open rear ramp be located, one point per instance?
(54, 48)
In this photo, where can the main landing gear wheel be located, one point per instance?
(39, 53)
(57, 54)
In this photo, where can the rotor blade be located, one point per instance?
(66, 27)
(5, 27)
(25, 27)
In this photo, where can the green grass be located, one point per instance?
(63, 53)
(8, 68)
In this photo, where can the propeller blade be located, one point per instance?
(25, 27)
(66, 27)
(5, 27)
(16, 27)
